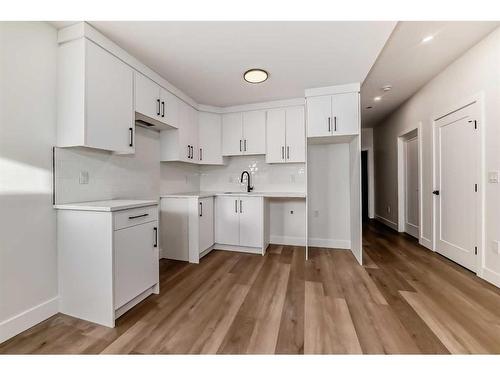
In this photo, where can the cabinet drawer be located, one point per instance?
(135, 216)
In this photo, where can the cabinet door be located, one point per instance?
(232, 134)
(110, 121)
(183, 136)
(209, 138)
(147, 97)
(169, 111)
(251, 221)
(227, 220)
(206, 217)
(295, 151)
(345, 108)
(193, 135)
(135, 261)
(319, 116)
(254, 132)
(275, 134)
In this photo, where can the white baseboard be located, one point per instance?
(287, 240)
(27, 319)
(328, 242)
(425, 242)
(490, 276)
(239, 249)
(389, 223)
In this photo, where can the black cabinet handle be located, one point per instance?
(189, 151)
(158, 109)
(201, 209)
(201, 154)
(334, 123)
(240, 145)
(241, 206)
(288, 152)
(137, 216)
(329, 124)
(131, 139)
(236, 205)
(283, 152)
(162, 109)
(245, 145)
(156, 237)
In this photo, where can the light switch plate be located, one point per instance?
(493, 177)
(84, 178)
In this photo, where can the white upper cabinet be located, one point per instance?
(95, 98)
(232, 134)
(331, 115)
(209, 138)
(158, 105)
(244, 133)
(147, 96)
(345, 110)
(254, 132)
(181, 144)
(286, 135)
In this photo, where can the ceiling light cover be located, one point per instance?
(255, 75)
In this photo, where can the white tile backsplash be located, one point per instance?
(142, 176)
(265, 177)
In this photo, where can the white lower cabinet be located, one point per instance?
(108, 261)
(187, 227)
(240, 223)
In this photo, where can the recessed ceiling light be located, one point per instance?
(255, 75)
(428, 38)
(377, 98)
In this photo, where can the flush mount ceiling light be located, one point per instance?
(427, 39)
(255, 75)
(377, 98)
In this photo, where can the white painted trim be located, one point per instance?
(155, 289)
(330, 243)
(425, 242)
(287, 240)
(332, 90)
(371, 181)
(29, 318)
(255, 106)
(389, 223)
(402, 138)
(240, 249)
(490, 276)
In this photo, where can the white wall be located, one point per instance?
(367, 144)
(28, 268)
(476, 72)
(328, 196)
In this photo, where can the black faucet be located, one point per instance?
(249, 188)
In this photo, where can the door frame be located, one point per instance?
(401, 158)
(371, 182)
(479, 100)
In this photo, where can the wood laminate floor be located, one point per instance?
(405, 299)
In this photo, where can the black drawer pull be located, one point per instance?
(137, 216)
(156, 237)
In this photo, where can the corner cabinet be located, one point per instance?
(188, 233)
(108, 261)
(332, 115)
(239, 224)
(244, 133)
(286, 137)
(95, 105)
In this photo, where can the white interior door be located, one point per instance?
(457, 173)
(411, 187)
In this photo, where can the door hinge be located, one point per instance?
(475, 123)
(475, 250)
(475, 188)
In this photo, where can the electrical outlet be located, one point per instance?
(83, 178)
(493, 177)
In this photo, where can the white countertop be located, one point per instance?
(106, 206)
(265, 194)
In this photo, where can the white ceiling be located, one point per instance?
(407, 64)
(206, 60)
